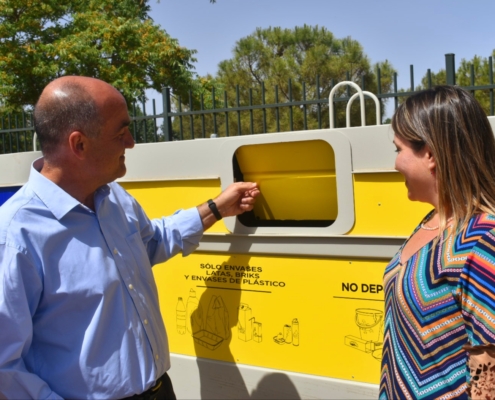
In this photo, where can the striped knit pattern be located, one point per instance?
(441, 299)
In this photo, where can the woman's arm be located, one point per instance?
(476, 293)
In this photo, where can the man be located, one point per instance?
(79, 313)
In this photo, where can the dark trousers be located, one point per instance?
(162, 390)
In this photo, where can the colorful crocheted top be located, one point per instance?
(441, 299)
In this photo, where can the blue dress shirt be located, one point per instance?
(79, 312)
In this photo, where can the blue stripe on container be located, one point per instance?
(7, 192)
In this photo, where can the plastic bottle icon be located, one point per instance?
(181, 317)
(295, 332)
(193, 320)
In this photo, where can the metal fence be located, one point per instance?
(17, 130)
(180, 120)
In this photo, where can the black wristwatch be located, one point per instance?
(214, 209)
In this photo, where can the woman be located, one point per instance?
(440, 286)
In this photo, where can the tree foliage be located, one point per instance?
(474, 72)
(113, 40)
(291, 65)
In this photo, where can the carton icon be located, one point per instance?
(245, 323)
(257, 335)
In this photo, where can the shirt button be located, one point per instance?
(130, 286)
(146, 322)
(115, 251)
(156, 357)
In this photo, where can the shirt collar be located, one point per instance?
(57, 200)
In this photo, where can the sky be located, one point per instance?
(404, 32)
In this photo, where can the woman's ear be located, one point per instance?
(430, 159)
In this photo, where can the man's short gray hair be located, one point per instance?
(68, 108)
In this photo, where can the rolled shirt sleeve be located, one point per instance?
(179, 232)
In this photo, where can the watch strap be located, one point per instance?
(214, 209)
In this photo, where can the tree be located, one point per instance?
(113, 40)
(277, 65)
(469, 73)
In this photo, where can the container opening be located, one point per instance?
(297, 182)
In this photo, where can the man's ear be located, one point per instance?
(78, 144)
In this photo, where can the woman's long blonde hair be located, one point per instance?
(456, 129)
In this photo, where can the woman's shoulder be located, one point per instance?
(479, 230)
(482, 222)
(478, 226)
